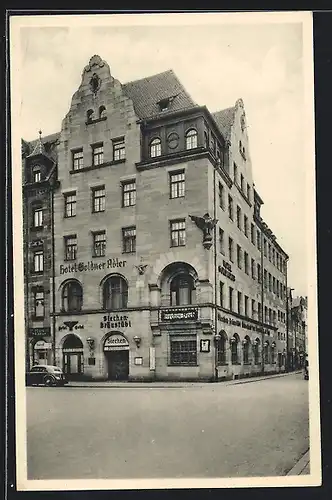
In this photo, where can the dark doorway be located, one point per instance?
(118, 364)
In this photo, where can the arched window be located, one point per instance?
(102, 112)
(246, 344)
(72, 296)
(234, 349)
(266, 352)
(115, 293)
(255, 348)
(191, 139)
(72, 342)
(155, 147)
(221, 348)
(181, 288)
(89, 115)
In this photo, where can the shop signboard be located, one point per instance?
(116, 342)
(40, 331)
(179, 314)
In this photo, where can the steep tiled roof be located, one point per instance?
(43, 146)
(146, 94)
(224, 120)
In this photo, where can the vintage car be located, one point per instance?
(47, 375)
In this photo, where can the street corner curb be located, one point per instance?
(300, 465)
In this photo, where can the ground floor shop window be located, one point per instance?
(221, 349)
(183, 352)
(234, 349)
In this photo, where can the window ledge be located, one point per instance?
(97, 120)
(95, 167)
(183, 365)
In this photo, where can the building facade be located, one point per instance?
(39, 181)
(298, 331)
(163, 265)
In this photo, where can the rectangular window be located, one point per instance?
(98, 199)
(230, 298)
(70, 204)
(221, 293)
(99, 244)
(258, 234)
(70, 247)
(36, 175)
(245, 225)
(253, 309)
(259, 311)
(274, 317)
(238, 217)
(273, 285)
(230, 207)
(129, 193)
(221, 241)
(259, 273)
(246, 305)
(253, 273)
(270, 255)
(129, 239)
(221, 196)
(270, 282)
(248, 193)
(38, 261)
(231, 249)
(178, 233)
(239, 302)
(278, 261)
(183, 352)
(242, 183)
(38, 303)
(265, 279)
(278, 315)
(266, 316)
(239, 256)
(265, 247)
(246, 263)
(177, 184)
(277, 285)
(97, 154)
(119, 151)
(273, 256)
(252, 234)
(38, 217)
(235, 173)
(78, 161)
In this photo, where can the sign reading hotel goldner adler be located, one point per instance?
(91, 266)
(181, 314)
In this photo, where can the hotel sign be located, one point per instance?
(180, 314)
(91, 266)
(243, 324)
(226, 270)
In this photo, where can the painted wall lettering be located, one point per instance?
(91, 266)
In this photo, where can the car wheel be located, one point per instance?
(48, 381)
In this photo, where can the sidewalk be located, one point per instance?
(302, 467)
(170, 384)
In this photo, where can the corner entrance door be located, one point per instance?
(118, 365)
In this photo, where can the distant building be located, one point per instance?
(298, 330)
(163, 265)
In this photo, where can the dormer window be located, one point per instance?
(164, 104)
(36, 174)
(155, 147)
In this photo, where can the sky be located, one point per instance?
(218, 60)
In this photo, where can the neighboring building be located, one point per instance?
(298, 331)
(164, 267)
(39, 178)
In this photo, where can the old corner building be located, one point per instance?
(146, 256)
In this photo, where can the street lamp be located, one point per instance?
(137, 340)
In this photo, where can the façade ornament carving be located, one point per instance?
(206, 225)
